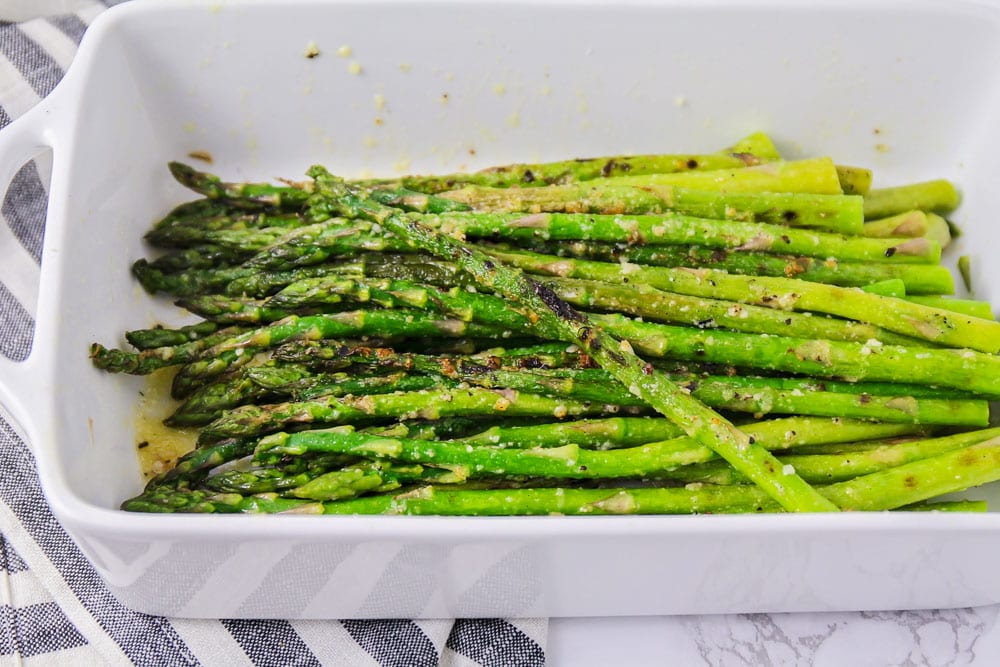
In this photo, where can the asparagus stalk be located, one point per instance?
(314, 327)
(910, 319)
(918, 279)
(981, 309)
(206, 403)
(675, 229)
(937, 196)
(258, 382)
(197, 209)
(890, 401)
(194, 375)
(564, 462)
(252, 420)
(886, 489)
(617, 358)
(893, 403)
(960, 369)
(751, 151)
(759, 396)
(836, 213)
(815, 176)
(889, 489)
(665, 229)
(240, 241)
(251, 281)
(666, 458)
(145, 339)
(202, 459)
(518, 502)
(242, 195)
(661, 306)
(202, 256)
(254, 195)
(840, 467)
(547, 355)
(187, 232)
(650, 303)
(617, 432)
(854, 180)
(919, 480)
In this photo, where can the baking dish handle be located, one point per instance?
(21, 141)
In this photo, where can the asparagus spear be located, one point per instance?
(197, 209)
(840, 467)
(243, 195)
(961, 369)
(751, 151)
(547, 355)
(252, 420)
(616, 432)
(372, 322)
(815, 176)
(239, 241)
(854, 180)
(564, 462)
(675, 229)
(665, 229)
(887, 489)
(981, 309)
(837, 213)
(145, 339)
(201, 256)
(927, 478)
(753, 394)
(670, 459)
(617, 358)
(254, 383)
(187, 232)
(918, 279)
(207, 402)
(531, 501)
(194, 375)
(662, 306)
(186, 282)
(932, 196)
(648, 302)
(759, 396)
(253, 195)
(253, 281)
(740, 394)
(932, 324)
(202, 459)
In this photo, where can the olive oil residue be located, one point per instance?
(158, 446)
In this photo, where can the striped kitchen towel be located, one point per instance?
(54, 608)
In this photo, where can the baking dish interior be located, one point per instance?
(911, 91)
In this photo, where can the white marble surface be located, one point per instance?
(939, 637)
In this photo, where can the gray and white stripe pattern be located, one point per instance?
(54, 608)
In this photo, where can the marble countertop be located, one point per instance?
(938, 637)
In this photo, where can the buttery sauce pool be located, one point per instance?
(159, 446)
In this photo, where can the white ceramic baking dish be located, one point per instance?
(911, 89)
